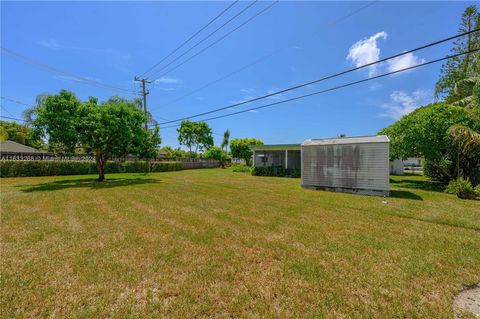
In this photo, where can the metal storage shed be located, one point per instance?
(356, 164)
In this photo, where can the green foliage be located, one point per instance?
(457, 69)
(52, 168)
(463, 188)
(165, 166)
(19, 133)
(241, 168)
(57, 119)
(275, 171)
(109, 129)
(215, 153)
(195, 134)
(46, 168)
(225, 141)
(240, 148)
(424, 133)
(175, 152)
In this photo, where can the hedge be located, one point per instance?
(51, 168)
(275, 171)
(165, 166)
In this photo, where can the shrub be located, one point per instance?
(165, 166)
(275, 171)
(52, 168)
(46, 168)
(241, 169)
(463, 188)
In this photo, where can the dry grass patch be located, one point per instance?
(212, 243)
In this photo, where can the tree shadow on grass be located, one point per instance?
(405, 194)
(418, 184)
(91, 183)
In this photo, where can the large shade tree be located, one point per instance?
(425, 133)
(197, 135)
(109, 129)
(240, 148)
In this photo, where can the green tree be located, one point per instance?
(425, 133)
(460, 68)
(225, 141)
(215, 153)
(195, 134)
(174, 152)
(107, 130)
(240, 148)
(19, 133)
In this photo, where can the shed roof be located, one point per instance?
(14, 147)
(348, 140)
(276, 147)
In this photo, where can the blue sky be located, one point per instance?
(113, 41)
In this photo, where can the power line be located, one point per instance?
(6, 110)
(323, 78)
(218, 40)
(12, 118)
(336, 87)
(205, 38)
(262, 58)
(14, 101)
(190, 38)
(55, 70)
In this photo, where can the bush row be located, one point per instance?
(50, 168)
(165, 166)
(276, 171)
(241, 168)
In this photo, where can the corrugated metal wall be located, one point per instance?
(350, 166)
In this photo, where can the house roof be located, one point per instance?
(14, 147)
(348, 140)
(276, 147)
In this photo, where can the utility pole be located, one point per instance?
(145, 92)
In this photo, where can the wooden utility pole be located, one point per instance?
(145, 92)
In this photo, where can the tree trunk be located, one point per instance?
(100, 160)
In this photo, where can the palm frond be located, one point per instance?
(467, 139)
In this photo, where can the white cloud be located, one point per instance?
(168, 80)
(51, 44)
(404, 61)
(402, 103)
(366, 51)
(374, 86)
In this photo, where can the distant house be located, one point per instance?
(14, 150)
(282, 155)
(350, 164)
(162, 154)
(398, 166)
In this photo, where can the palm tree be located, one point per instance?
(467, 139)
(226, 139)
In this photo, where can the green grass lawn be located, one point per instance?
(213, 243)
